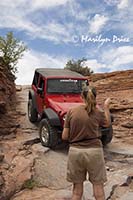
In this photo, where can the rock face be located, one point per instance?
(7, 100)
(118, 86)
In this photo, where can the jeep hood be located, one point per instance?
(64, 103)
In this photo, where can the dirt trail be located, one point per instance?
(29, 165)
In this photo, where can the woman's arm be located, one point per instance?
(107, 111)
(65, 134)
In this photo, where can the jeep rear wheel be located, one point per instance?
(32, 113)
(48, 135)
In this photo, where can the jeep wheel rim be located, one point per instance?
(44, 135)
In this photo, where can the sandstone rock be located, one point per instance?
(31, 142)
(1, 181)
(7, 98)
(18, 88)
(128, 181)
(14, 178)
(5, 166)
(1, 157)
(128, 125)
(2, 107)
(49, 175)
(118, 86)
(123, 191)
(39, 149)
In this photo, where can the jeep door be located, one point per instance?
(40, 95)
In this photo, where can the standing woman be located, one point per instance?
(81, 129)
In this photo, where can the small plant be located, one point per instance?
(30, 184)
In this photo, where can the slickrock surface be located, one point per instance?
(118, 86)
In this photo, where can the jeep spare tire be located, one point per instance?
(48, 135)
(107, 135)
(32, 113)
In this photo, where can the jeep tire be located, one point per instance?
(107, 136)
(48, 135)
(32, 113)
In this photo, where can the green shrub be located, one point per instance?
(11, 50)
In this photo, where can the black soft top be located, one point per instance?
(53, 72)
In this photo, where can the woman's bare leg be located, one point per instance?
(98, 190)
(77, 191)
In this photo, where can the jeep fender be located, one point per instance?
(32, 96)
(51, 116)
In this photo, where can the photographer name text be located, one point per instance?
(99, 39)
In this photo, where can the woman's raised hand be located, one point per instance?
(107, 102)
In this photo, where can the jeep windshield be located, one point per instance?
(65, 85)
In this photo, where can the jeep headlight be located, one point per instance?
(64, 117)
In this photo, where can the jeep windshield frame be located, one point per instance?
(65, 85)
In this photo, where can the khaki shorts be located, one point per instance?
(86, 161)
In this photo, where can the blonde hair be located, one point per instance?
(89, 95)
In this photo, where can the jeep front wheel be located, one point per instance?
(32, 113)
(48, 135)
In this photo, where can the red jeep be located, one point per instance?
(53, 93)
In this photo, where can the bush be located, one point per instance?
(79, 66)
(11, 50)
